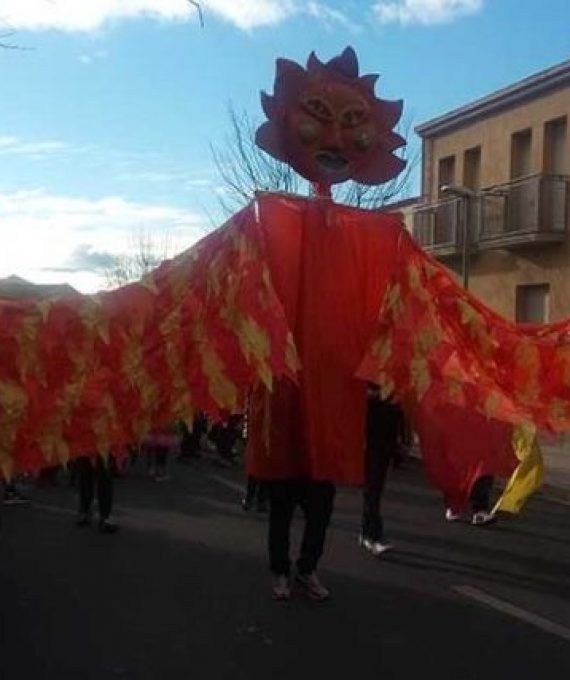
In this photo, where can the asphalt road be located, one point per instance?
(182, 591)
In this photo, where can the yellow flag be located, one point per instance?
(528, 476)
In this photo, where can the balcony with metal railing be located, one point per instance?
(526, 211)
(437, 227)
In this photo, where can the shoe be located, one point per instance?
(108, 527)
(83, 519)
(312, 587)
(246, 504)
(13, 497)
(375, 548)
(281, 588)
(452, 516)
(483, 518)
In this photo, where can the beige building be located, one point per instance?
(506, 161)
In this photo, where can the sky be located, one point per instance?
(109, 110)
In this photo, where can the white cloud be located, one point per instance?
(249, 14)
(330, 16)
(86, 15)
(90, 15)
(42, 232)
(14, 146)
(424, 11)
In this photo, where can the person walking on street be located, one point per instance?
(384, 426)
(316, 500)
(95, 473)
(191, 438)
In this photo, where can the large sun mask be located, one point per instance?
(326, 122)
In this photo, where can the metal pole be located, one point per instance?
(466, 196)
(466, 242)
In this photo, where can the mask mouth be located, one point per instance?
(331, 161)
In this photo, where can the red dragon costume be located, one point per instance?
(297, 301)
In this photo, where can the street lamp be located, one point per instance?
(467, 195)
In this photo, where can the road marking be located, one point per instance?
(512, 610)
(227, 482)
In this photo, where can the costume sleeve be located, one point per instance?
(89, 374)
(466, 376)
(435, 336)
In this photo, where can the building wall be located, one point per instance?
(495, 275)
(494, 134)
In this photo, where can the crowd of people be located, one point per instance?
(93, 477)
(388, 443)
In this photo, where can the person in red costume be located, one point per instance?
(330, 266)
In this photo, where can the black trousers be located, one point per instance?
(255, 491)
(224, 437)
(93, 473)
(384, 421)
(316, 500)
(377, 466)
(480, 496)
(190, 444)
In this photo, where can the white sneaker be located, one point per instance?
(281, 588)
(452, 516)
(375, 548)
(483, 518)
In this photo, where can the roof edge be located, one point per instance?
(523, 90)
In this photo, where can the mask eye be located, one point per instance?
(318, 108)
(307, 132)
(353, 116)
(363, 140)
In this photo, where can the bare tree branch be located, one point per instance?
(145, 254)
(199, 10)
(245, 169)
(376, 196)
(10, 45)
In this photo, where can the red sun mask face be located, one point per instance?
(326, 122)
